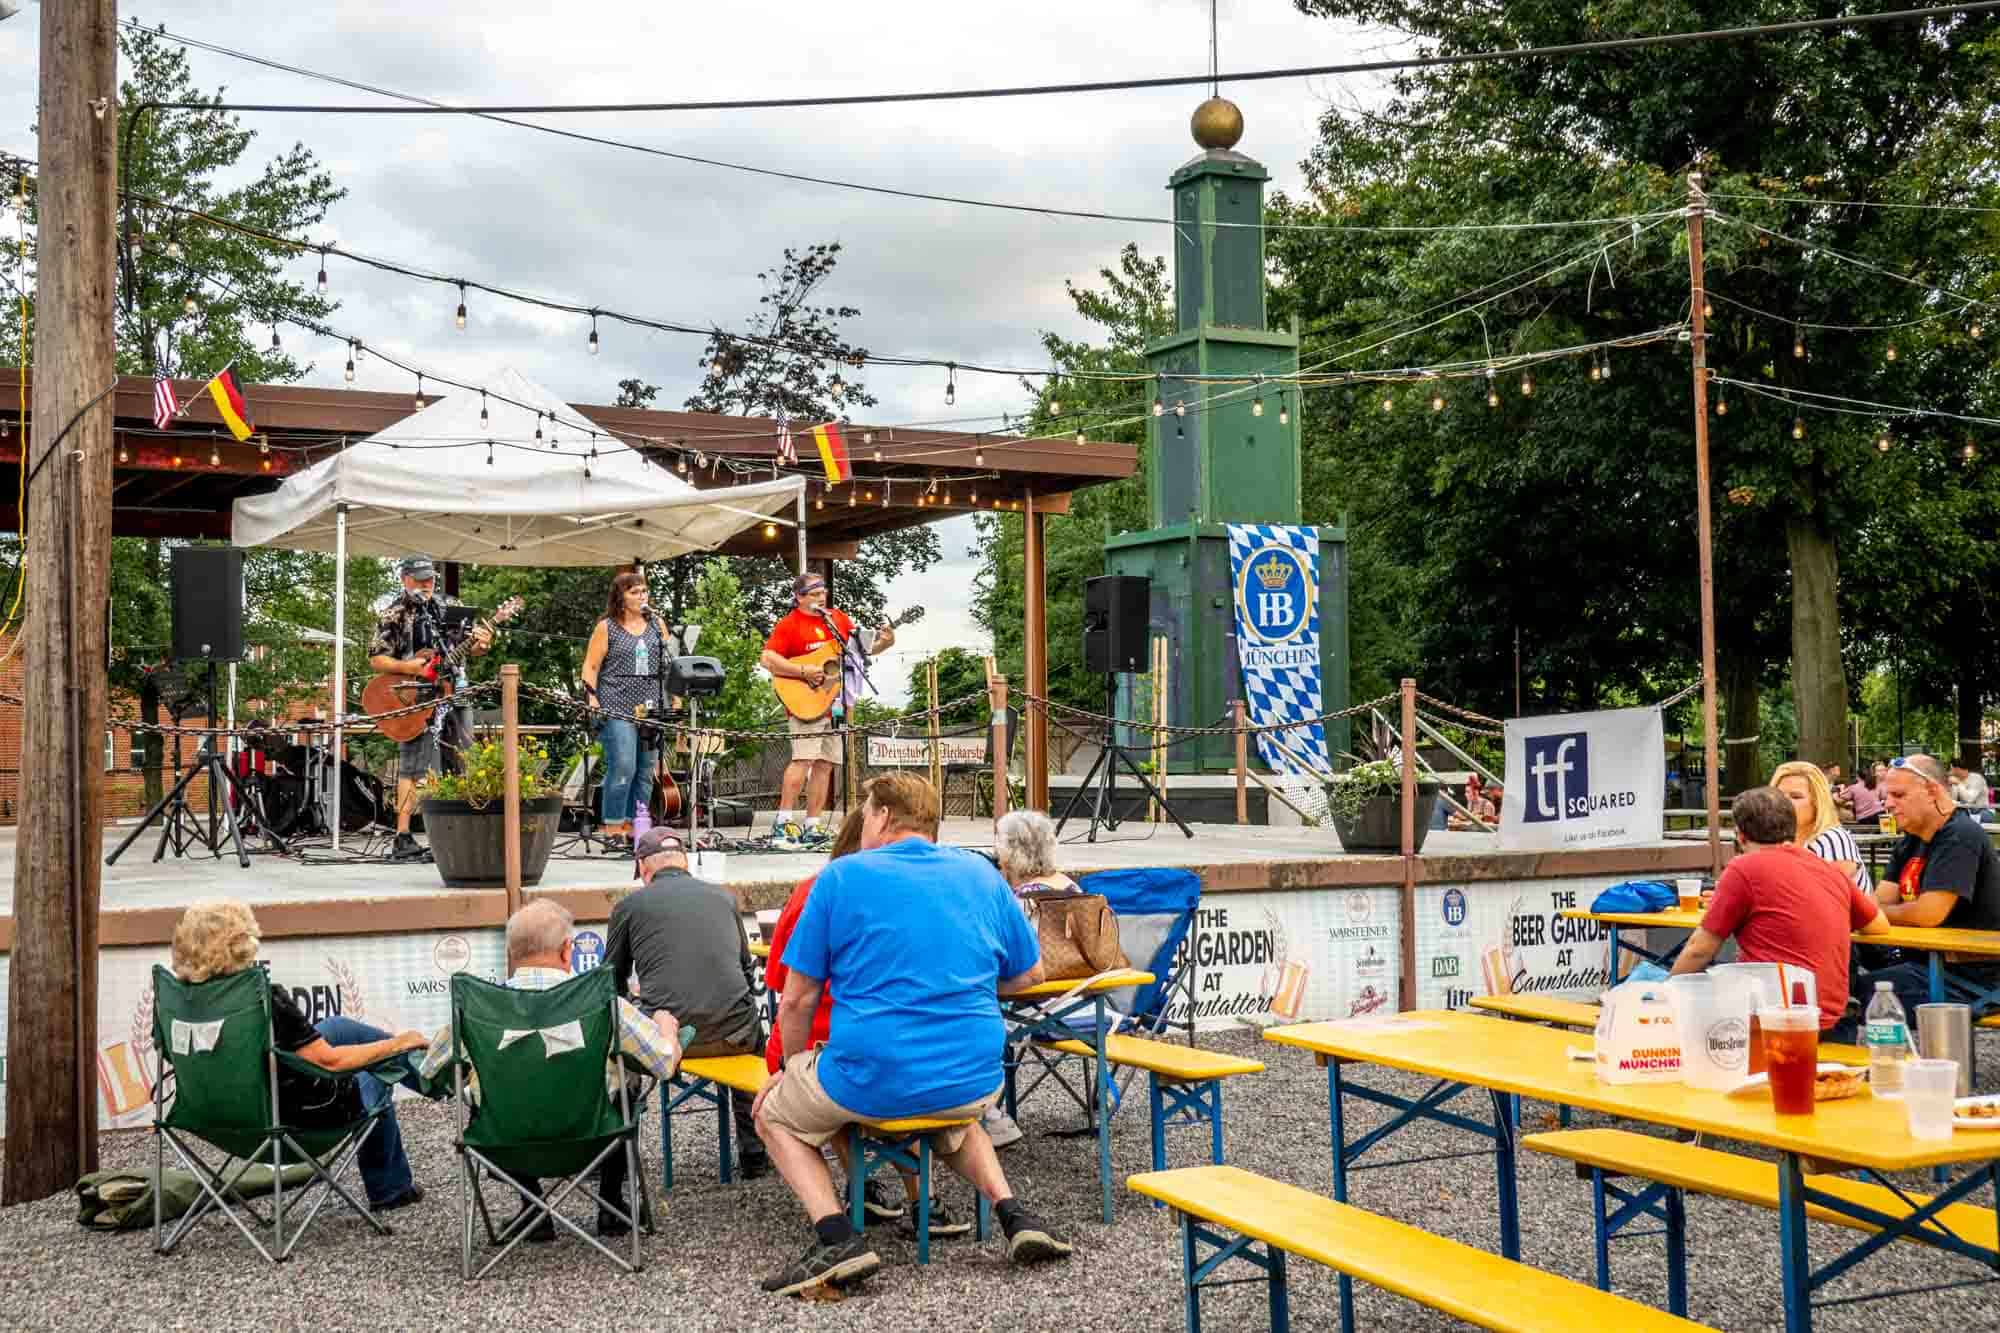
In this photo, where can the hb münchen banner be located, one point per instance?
(1584, 780)
(1275, 571)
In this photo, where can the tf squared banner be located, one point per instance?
(1274, 569)
(1584, 780)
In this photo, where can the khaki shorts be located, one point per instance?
(801, 1107)
(815, 740)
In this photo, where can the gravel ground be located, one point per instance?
(716, 1241)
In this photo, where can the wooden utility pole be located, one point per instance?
(1711, 761)
(52, 985)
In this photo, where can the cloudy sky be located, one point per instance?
(601, 226)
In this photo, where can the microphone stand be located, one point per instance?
(842, 725)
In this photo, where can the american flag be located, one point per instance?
(788, 453)
(165, 406)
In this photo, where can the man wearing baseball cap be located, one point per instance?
(816, 750)
(410, 633)
(683, 937)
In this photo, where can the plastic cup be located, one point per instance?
(1690, 893)
(767, 924)
(1791, 1056)
(1929, 1089)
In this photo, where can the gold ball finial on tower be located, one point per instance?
(1217, 123)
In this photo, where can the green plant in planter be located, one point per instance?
(484, 781)
(1350, 793)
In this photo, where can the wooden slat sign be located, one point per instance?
(914, 751)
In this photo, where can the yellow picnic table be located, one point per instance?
(1509, 1061)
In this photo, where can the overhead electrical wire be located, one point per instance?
(1851, 203)
(1860, 407)
(1855, 261)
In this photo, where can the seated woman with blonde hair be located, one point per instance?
(218, 937)
(1820, 831)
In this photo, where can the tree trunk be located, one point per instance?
(52, 980)
(1742, 704)
(1819, 685)
(1971, 712)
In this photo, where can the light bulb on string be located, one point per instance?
(1180, 407)
(1079, 437)
(1722, 407)
(593, 333)
(459, 318)
(322, 271)
(1890, 353)
(1388, 403)
(1707, 309)
(1284, 412)
(1977, 329)
(979, 458)
(975, 496)
(1437, 400)
(417, 403)
(483, 420)
(214, 456)
(947, 495)
(951, 384)
(1970, 452)
(349, 372)
(187, 303)
(1607, 363)
(1492, 389)
(683, 468)
(1257, 403)
(276, 346)
(123, 457)
(1527, 384)
(538, 428)
(174, 247)
(1882, 442)
(1159, 404)
(1799, 342)
(177, 460)
(489, 453)
(836, 388)
(819, 501)
(1798, 428)
(1596, 369)
(138, 246)
(850, 496)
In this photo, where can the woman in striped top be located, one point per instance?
(1820, 831)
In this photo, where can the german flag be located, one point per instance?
(229, 402)
(832, 452)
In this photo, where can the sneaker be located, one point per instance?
(841, 1265)
(879, 1202)
(405, 848)
(944, 1222)
(1000, 1127)
(414, 1194)
(815, 837)
(1029, 1241)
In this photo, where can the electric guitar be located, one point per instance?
(438, 681)
(804, 702)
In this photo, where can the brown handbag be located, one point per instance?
(1078, 933)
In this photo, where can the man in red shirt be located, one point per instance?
(1783, 904)
(816, 746)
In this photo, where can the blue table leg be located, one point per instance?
(1215, 1122)
(1188, 1265)
(1614, 953)
(1339, 1124)
(1677, 1253)
(1281, 1303)
(1159, 1111)
(724, 1104)
(924, 1199)
(1503, 1168)
(1600, 1231)
(857, 1184)
(1795, 1264)
(1103, 1068)
(666, 1134)
(1937, 978)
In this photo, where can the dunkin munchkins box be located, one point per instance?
(1637, 1041)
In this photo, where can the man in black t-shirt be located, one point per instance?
(1944, 872)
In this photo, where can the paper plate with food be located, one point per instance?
(1828, 1085)
(1981, 1112)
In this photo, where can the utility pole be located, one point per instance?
(1711, 760)
(52, 986)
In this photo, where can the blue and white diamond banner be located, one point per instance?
(1274, 569)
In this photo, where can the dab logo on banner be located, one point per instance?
(1584, 780)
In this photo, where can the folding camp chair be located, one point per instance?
(544, 1111)
(219, 1084)
(1155, 910)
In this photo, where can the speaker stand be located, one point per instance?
(1103, 772)
(180, 827)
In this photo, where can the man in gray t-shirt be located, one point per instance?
(684, 938)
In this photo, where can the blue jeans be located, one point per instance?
(385, 1169)
(628, 770)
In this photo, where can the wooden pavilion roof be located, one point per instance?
(167, 487)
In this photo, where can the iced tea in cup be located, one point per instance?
(1791, 1056)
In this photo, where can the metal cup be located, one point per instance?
(1944, 1032)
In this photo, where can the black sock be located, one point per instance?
(834, 1228)
(1008, 1210)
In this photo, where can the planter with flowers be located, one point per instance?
(465, 815)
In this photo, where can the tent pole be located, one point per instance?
(339, 661)
(802, 529)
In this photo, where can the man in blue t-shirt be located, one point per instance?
(919, 942)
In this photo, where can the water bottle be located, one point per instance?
(1886, 1033)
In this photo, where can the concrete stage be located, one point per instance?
(1229, 857)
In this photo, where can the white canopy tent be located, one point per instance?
(466, 479)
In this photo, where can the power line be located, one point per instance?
(1859, 407)
(1853, 203)
(1816, 247)
(1120, 85)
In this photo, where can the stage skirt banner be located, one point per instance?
(1298, 956)
(1274, 569)
(1510, 938)
(1581, 780)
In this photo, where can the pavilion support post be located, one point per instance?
(1035, 645)
(66, 447)
(510, 743)
(336, 707)
(936, 769)
(1407, 999)
(1711, 760)
(1242, 762)
(996, 690)
(800, 513)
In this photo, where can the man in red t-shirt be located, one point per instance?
(815, 745)
(1783, 904)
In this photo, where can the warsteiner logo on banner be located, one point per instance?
(1584, 780)
(1274, 569)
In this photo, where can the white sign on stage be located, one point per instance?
(915, 751)
(1578, 780)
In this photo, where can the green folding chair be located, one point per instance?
(543, 1110)
(218, 1085)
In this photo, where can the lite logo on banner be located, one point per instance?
(1274, 569)
(1584, 780)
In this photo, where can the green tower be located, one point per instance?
(1222, 452)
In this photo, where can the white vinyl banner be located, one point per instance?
(1578, 780)
(1510, 938)
(1263, 958)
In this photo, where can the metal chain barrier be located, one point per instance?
(352, 721)
(558, 699)
(1104, 719)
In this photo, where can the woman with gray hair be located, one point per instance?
(1024, 846)
(217, 937)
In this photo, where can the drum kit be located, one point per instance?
(289, 791)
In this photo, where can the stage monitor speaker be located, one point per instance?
(1116, 633)
(698, 676)
(208, 604)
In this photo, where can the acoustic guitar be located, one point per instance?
(804, 702)
(438, 682)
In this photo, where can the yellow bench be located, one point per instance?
(1480, 1288)
(1990, 1021)
(1677, 1167)
(712, 1080)
(906, 1145)
(1183, 1081)
(1581, 1014)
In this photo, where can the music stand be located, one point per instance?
(1104, 769)
(180, 827)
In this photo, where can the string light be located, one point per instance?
(593, 333)
(1388, 403)
(850, 497)
(459, 319)
(1159, 404)
(1799, 342)
(1180, 407)
(819, 501)
(836, 387)
(322, 270)
(1079, 437)
(1970, 451)
(276, 346)
(214, 456)
(1707, 309)
(1882, 442)
(122, 456)
(1596, 370)
(264, 445)
(1722, 407)
(187, 303)
(1890, 354)
(1527, 384)
(177, 460)
(174, 247)
(1607, 363)
(538, 428)
(1257, 404)
(417, 403)
(138, 245)
(1437, 400)
(975, 496)
(483, 420)
(349, 372)
(1492, 389)
(1798, 428)
(1284, 412)
(489, 455)
(978, 457)
(1977, 329)
(950, 383)
(683, 469)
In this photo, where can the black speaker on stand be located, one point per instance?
(1117, 631)
(208, 628)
